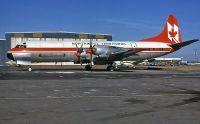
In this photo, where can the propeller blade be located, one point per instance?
(79, 50)
(90, 43)
(91, 60)
(91, 53)
(81, 61)
(82, 45)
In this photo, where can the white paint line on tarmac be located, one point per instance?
(59, 72)
(72, 97)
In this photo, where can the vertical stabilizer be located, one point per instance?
(170, 34)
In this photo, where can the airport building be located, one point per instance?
(164, 62)
(13, 38)
(168, 61)
(2, 51)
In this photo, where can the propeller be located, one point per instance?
(79, 50)
(91, 52)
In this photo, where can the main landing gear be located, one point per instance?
(110, 68)
(30, 69)
(88, 68)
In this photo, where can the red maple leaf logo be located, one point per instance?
(173, 33)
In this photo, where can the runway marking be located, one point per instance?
(60, 72)
(188, 76)
(71, 97)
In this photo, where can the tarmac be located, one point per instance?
(70, 95)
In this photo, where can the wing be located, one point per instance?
(108, 54)
(123, 53)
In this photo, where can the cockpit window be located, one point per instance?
(20, 46)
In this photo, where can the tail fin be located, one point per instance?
(170, 34)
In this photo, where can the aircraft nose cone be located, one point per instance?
(10, 56)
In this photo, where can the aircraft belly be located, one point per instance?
(145, 55)
(52, 57)
(45, 57)
(104, 60)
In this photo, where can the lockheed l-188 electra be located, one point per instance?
(100, 52)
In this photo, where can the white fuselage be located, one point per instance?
(64, 51)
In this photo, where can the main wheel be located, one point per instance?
(110, 68)
(88, 68)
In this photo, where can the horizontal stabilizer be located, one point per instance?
(185, 43)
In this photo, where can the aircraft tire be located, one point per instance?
(29, 69)
(110, 68)
(88, 68)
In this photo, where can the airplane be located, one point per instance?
(100, 52)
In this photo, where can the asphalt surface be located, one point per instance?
(75, 96)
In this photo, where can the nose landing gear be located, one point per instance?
(30, 69)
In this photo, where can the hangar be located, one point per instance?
(2, 51)
(13, 38)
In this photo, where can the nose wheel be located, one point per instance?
(29, 69)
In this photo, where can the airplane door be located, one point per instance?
(133, 45)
